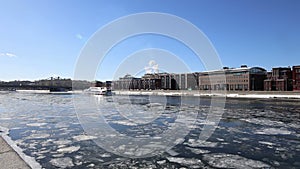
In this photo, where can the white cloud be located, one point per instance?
(79, 36)
(11, 55)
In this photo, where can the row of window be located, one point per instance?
(234, 77)
(220, 82)
(228, 87)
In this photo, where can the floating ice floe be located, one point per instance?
(36, 124)
(220, 160)
(69, 149)
(200, 143)
(273, 131)
(38, 136)
(266, 143)
(78, 157)
(125, 123)
(78, 163)
(220, 139)
(5, 118)
(265, 122)
(62, 125)
(83, 137)
(189, 162)
(57, 155)
(105, 155)
(62, 162)
(40, 157)
(161, 162)
(91, 165)
(172, 152)
(62, 142)
(198, 151)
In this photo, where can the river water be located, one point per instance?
(251, 133)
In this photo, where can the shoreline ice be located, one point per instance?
(248, 95)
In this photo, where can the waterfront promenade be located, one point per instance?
(11, 156)
(9, 159)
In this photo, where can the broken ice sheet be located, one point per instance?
(36, 124)
(198, 151)
(273, 131)
(189, 162)
(68, 149)
(200, 143)
(83, 137)
(220, 160)
(62, 162)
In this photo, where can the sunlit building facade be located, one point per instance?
(280, 79)
(233, 79)
(296, 78)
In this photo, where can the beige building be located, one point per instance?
(233, 79)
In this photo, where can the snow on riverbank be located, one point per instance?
(263, 95)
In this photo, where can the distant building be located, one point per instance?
(183, 81)
(98, 84)
(233, 79)
(279, 80)
(151, 81)
(81, 84)
(127, 82)
(168, 81)
(296, 77)
(56, 82)
(157, 81)
(192, 81)
(229, 79)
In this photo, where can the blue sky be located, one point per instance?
(40, 39)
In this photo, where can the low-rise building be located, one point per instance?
(186, 81)
(233, 79)
(127, 82)
(151, 81)
(279, 80)
(296, 77)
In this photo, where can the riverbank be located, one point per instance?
(11, 156)
(239, 94)
(250, 94)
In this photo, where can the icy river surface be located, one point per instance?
(58, 133)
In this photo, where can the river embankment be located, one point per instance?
(241, 94)
(12, 156)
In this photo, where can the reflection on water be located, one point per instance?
(251, 134)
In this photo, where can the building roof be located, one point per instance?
(241, 69)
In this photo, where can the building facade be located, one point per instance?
(296, 78)
(280, 79)
(158, 81)
(127, 82)
(233, 79)
(229, 79)
(151, 81)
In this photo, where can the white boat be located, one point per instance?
(96, 90)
